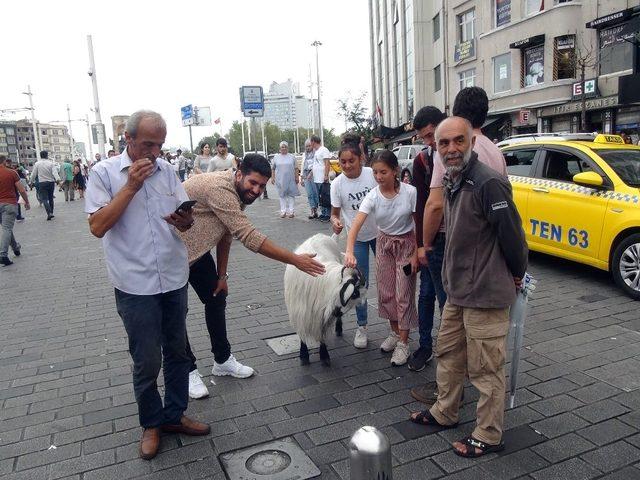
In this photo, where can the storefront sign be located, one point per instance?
(464, 50)
(590, 89)
(568, 42)
(524, 116)
(610, 19)
(528, 42)
(534, 66)
(592, 104)
(503, 12)
(614, 35)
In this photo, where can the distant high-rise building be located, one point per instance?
(53, 138)
(285, 107)
(8, 141)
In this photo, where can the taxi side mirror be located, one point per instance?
(588, 179)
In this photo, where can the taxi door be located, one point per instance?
(520, 168)
(565, 219)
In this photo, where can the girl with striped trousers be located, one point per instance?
(393, 205)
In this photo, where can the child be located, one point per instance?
(347, 191)
(392, 204)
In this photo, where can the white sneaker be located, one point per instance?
(390, 342)
(232, 367)
(400, 354)
(197, 389)
(360, 340)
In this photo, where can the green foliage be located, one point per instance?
(354, 112)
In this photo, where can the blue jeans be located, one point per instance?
(312, 194)
(8, 213)
(361, 252)
(430, 289)
(156, 327)
(45, 194)
(324, 211)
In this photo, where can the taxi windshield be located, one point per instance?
(626, 163)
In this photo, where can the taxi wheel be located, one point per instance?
(625, 265)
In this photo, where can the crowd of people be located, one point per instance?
(453, 225)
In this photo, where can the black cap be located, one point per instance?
(221, 141)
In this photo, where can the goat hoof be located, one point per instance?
(338, 328)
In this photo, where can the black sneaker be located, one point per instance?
(17, 252)
(420, 358)
(5, 261)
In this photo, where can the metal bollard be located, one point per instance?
(370, 455)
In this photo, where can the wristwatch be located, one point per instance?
(224, 277)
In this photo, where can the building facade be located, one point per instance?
(53, 138)
(285, 107)
(9, 140)
(528, 55)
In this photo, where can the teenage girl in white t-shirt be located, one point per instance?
(347, 192)
(392, 204)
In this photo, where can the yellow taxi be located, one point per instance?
(578, 196)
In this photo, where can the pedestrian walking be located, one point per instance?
(182, 165)
(48, 177)
(485, 258)
(306, 179)
(9, 184)
(347, 192)
(219, 217)
(222, 160)
(78, 178)
(66, 176)
(201, 163)
(131, 201)
(392, 204)
(22, 173)
(425, 123)
(320, 169)
(285, 176)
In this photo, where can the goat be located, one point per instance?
(315, 303)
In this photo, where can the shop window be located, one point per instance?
(564, 57)
(466, 26)
(502, 73)
(436, 27)
(502, 12)
(437, 79)
(533, 6)
(519, 162)
(616, 50)
(533, 66)
(467, 78)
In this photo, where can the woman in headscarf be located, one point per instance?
(285, 178)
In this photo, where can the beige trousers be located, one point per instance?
(473, 341)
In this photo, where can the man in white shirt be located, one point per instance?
(48, 176)
(182, 165)
(223, 160)
(132, 200)
(320, 171)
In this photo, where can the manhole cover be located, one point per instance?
(278, 460)
(268, 462)
(287, 344)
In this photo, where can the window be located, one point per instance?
(533, 66)
(558, 2)
(519, 162)
(10, 131)
(436, 27)
(44, 132)
(502, 73)
(533, 6)
(467, 78)
(616, 50)
(563, 166)
(503, 12)
(466, 22)
(564, 57)
(437, 82)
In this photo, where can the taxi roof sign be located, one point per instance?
(604, 138)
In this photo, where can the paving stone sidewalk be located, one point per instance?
(67, 406)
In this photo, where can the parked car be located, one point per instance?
(579, 199)
(406, 154)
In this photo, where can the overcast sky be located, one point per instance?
(161, 55)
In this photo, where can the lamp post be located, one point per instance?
(36, 137)
(317, 44)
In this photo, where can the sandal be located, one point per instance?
(425, 418)
(470, 445)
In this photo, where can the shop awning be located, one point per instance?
(528, 42)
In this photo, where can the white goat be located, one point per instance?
(315, 303)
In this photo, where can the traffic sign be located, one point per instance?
(252, 101)
(188, 118)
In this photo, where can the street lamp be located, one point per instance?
(317, 44)
(36, 137)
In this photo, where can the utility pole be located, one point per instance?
(311, 109)
(73, 143)
(264, 140)
(36, 137)
(86, 119)
(96, 100)
(317, 44)
(244, 149)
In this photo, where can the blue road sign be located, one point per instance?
(186, 113)
(252, 101)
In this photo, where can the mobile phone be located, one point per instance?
(407, 269)
(186, 205)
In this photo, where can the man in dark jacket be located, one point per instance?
(485, 258)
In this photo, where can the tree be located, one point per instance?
(354, 112)
(584, 58)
